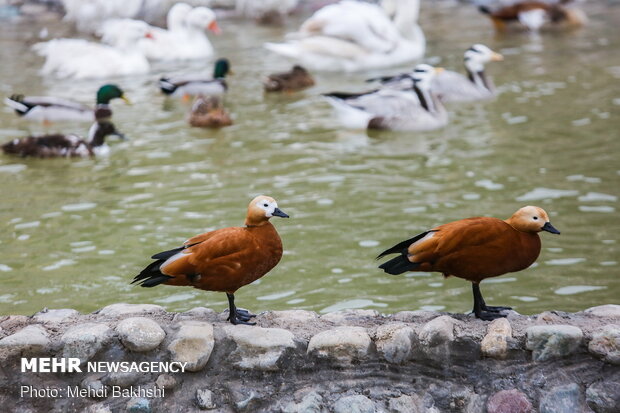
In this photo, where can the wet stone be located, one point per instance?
(192, 344)
(604, 397)
(561, 399)
(354, 404)
(509, 401)
(553, 341)
(204, 399)
(605, 343)
(140, 334)
(30, 340)
(495, 343)
(394, 342)
(85, 340)
(259, 348)
(343, 344)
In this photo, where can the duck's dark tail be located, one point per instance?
(484, 10)
(398, 265)
(152, 275)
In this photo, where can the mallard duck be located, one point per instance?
(351, 35)
(81, 59)
(297, 78)
(474, 249)
(65, 145)
(534, 14)
(207, 112)
(451, 86)
(222, 260)
(53, 109)
(194, 86)
(415, 109)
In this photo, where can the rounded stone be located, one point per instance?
(124, 308)
(259, 348)
(553, 341)
(354, 404)
(438, 331)
(204, 399)
(604, 397)
(85, 340)
(344, 344)
(495, 343)
(139, 405)
(29, 340)
(166, 381)
(605, 343)
(192, 344)
(394, 342)
(561, 399)
(509, 401)
(55, 316)
(140, 334)
(606, 311)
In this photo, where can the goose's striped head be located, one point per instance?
(478, 55)
(423, 75)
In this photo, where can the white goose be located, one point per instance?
(89, 15)
(417, 109)
(451, 86)
(81, 59)
(352, 36)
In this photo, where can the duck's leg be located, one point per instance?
(492, 308)
(480, 308)
(236, 316)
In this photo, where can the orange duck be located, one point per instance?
(533, 14)
(223, 260)
(474, 249)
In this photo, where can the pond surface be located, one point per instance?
(75, 232)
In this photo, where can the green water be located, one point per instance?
(75, 232)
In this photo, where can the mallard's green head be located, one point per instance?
(222, 67)
(108, 92)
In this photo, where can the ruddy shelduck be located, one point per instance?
(474, 249)
(223, 260)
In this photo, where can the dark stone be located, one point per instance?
(562, 399)
(604, 397)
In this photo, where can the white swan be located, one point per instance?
(81, 59)
(352, 36)
(416, 109)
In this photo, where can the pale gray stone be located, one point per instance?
(405, 404)
(343, 344)
(98, 408)
(436, 338)
(259, 348)
(30, 340)
(561, 399)
(192, 344)
(293, 316)
(310, 403)
(55, 316)
(124, 308)
(604, 397)
(605, 343)
(140, 334)
(607, 310)
(94, 385)
(166, 381)
(553, 341)
(204, 399)
(85, 340)
(122, 379)
(394, 342)
(354, 404)
(495, 343)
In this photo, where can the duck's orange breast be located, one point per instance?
(226, 259)
(475, 249)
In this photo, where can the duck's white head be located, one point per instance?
(261, 209)
(423, 75)
(531, 219)
(478, 55)
(202, 18)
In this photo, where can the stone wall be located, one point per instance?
(298, 361)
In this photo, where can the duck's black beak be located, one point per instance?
(279, 213)
(550, 228)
